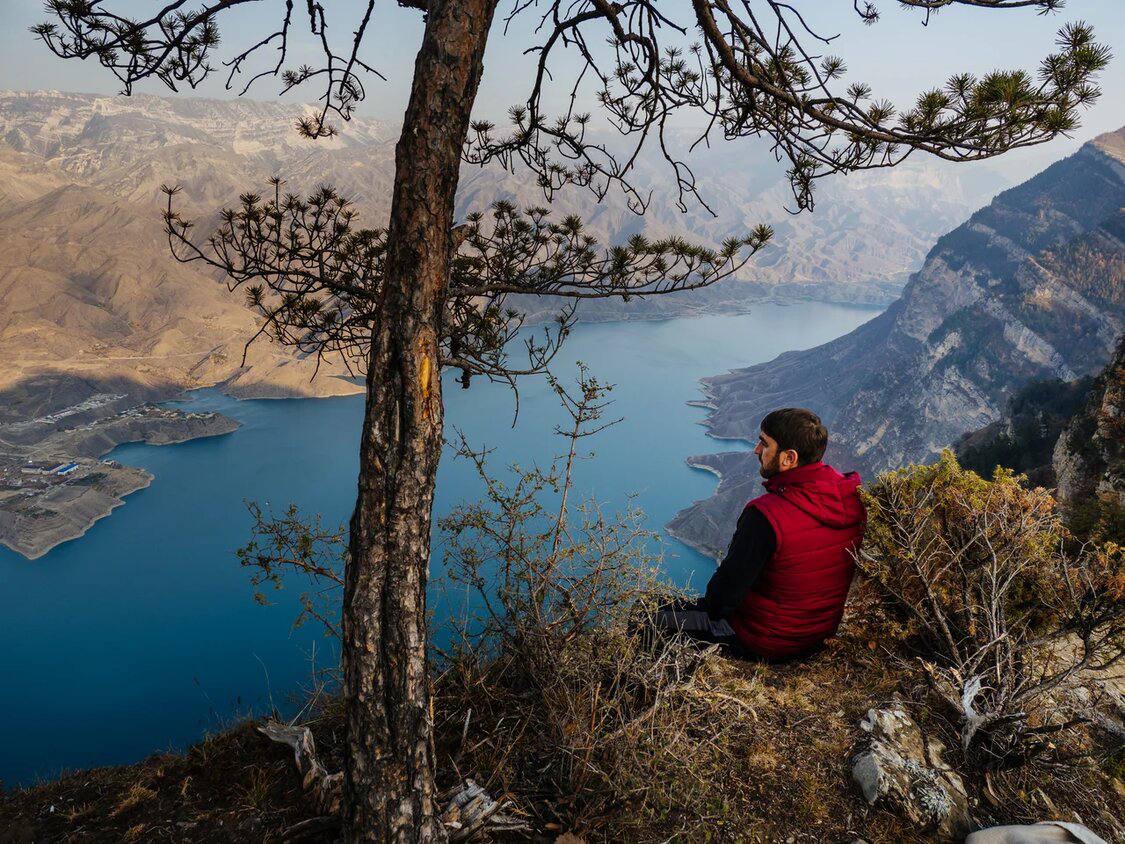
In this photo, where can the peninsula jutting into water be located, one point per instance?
(182, 646)
(53, 487)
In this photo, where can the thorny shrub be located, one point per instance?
(549, 688)
(547, 691)
(1005, 609)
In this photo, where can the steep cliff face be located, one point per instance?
(1031, 286)
(1024, 438)
(1089, 458)
(1068, 435)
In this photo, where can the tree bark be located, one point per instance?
(389, 792)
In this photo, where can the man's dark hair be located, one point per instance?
(798, 429)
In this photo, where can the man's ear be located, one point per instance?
(791, 458)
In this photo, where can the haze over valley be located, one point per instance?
(92, 305)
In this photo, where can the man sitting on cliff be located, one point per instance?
(780, 590)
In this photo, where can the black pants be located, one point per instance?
(688, 618)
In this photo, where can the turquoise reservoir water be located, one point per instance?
(143, 635)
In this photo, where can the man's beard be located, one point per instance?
(768, 470)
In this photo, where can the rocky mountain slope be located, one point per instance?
(1067, 435)
(1024, 438)
(90, 298)
(1031, 286)
(1089, 457)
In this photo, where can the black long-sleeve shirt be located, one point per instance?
(750, 549)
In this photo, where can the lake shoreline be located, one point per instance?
(55, 489)
(34, 544)
(33, 537)
(181, 645)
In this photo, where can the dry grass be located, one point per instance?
(736, 751)
(234, 786)
(136, 795)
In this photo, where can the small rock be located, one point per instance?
(1045, 832)
(902, 770)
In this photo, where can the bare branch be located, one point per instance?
(315, 279)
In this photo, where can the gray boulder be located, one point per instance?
(902, 770)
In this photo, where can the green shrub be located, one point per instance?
(1001, 604)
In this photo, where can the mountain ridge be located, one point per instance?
(1030, 286)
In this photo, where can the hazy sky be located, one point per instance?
(898, 57)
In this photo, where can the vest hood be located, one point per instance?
(823, 493)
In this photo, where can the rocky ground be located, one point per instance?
(829, 753)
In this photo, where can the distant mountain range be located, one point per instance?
(868, 232)
(1031, 286)
(91, 301)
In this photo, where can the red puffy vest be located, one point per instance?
(798, 598)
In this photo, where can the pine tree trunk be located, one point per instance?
(389, 772)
